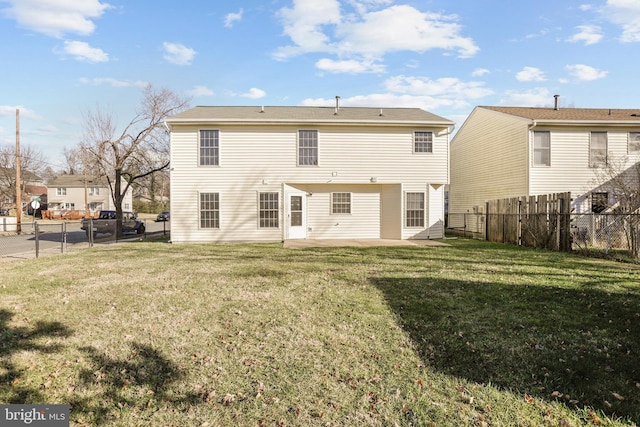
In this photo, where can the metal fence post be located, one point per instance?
(37, 229)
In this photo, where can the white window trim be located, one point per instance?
(424, 210)
(592, 164)
(533, 150)
(298, 148)
(629, 151)
(350, 203)
(200, 227)
(413, 143)
(279, 199)
(200, 165)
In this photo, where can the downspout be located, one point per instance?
(534, 123)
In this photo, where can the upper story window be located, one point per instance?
(61, 191)
(340, 203)
(541, 148)
(634, 143)
(598, 149)
(307, 148)
(422, 142)
(94, 191)
(209, 147)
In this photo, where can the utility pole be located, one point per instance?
(18, 183)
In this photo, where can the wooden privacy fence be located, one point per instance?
(542, 221)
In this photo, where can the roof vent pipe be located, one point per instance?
(337, 102)
(556, 106)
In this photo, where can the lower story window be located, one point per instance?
(269, 210)
(599, 202)
(209, 210)
(414, 209)
(341, 203)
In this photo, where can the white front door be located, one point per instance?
(297, 215)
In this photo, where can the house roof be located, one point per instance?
(300, 115)
(77, 181)
(573, 115)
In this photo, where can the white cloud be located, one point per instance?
(200, 91)
(537, 97)
(112, 82)
(10, 111)
(349, 66)
(81, 51)
(530, 74)
(231, 18)
(56, 17)
(322, 27)
(585, 72)
(625, 13)
(254, 93)
(589, 34)
(420, 92)
(479, 72)
(178, 54)
(585, 7)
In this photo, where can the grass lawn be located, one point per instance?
(475, 334)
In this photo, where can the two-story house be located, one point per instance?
(274, 173)
(77, 193)
(502, 152)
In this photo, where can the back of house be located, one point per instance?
(260, 174)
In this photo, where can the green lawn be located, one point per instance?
(477, 334)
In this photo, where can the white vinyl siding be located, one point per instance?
(350, 157)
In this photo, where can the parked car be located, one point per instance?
(163, 216)
(106, 223)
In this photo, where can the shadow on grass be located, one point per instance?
(578, 346)
(139, 382)
(23, 338)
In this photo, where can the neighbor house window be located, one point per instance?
(341, 203)
(423, 142)
(598, 149)
(269, 210)
(541, 149)
(599, 202)
(209, 147)
(61, 191)
(414, 209)
(307, 148)
(209, 210)
(94, 191)
(634, 143)
(69, 206)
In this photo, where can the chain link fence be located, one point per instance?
(590, 233)
(39, 238)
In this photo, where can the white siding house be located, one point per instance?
(252, 174)
(78, 192)
(502, 152)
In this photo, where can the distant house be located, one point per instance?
(77, 193)
(275, 173)
(32, 187)
(502, 152)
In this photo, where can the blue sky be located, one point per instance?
(62, 58)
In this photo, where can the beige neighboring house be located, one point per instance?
(502, 152)
(77, 193)
(261, 174)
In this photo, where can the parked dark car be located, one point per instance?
(163, 216)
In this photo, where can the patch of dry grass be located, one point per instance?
(207, 335)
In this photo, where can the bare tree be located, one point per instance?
(32, 165)
(139, 150)
(620, 177)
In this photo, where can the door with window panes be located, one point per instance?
(296, 216)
